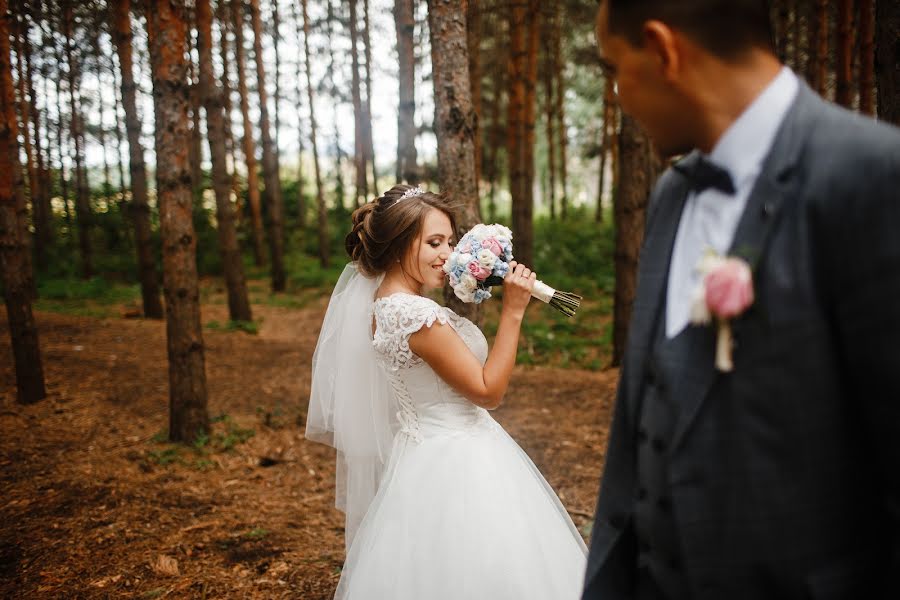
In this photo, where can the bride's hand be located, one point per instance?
(517, 288)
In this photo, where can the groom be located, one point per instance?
(781, 478)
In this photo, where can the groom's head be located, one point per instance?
(660, 52)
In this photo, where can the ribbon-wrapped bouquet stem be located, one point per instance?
(481, 260)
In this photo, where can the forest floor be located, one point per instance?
(96, 504)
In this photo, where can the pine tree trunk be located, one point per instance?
(630, 205)
(117, 102)
(822, 32)
(276, 42)
(560, 113)
(455, 121)
(271, 173)
(887, 43)
(844, 57)
(140, 207)
(529, 116)
(867, 57)
(550, 108)
(339, 187)
(359, 135)
(253, 197)
(367, 116)
(63, 152)
(166, 29)
(473, 32)
(82, 194)
(43, 229)
(609, 100)
(196, 148)
(301, 199)
(225, 25)
(101, 125)
(324, 247)
(407, 167)
(211, 96)
(15, 266)
(516, 138)
(31, 168)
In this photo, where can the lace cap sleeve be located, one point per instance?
(399, 316)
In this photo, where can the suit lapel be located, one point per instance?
(777, 183)
(653, 275)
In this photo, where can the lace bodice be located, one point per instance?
(428, 404)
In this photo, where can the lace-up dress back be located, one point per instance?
(461, 512)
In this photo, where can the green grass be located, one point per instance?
(224, 435)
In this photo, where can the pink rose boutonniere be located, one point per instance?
(725, 292)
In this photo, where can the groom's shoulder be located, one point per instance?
(856, 137)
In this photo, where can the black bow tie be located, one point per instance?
(703, 174)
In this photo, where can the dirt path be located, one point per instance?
(93, 505)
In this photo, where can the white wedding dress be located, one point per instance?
(461, 512)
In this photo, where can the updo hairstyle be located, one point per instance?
(385, 228)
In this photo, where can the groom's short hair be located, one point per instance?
(724, 27)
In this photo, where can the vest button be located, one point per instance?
(617, 521)
(665, 504)
(642, 435)
(642, 493)
(659, 444)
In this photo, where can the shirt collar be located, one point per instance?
(745, 144)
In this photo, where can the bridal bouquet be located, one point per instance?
(481, 260)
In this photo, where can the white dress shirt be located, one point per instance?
(710, 218)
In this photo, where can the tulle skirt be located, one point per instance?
(464, 515)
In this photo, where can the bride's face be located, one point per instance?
(424, 260)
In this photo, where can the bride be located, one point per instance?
(440, 503)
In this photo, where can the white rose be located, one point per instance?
(486, 258)
(467, 282)
(464, 259)
(450, 262)
(467, 296)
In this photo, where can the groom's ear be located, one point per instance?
(663, 45)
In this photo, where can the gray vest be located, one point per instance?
(660, 568)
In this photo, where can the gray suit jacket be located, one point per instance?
(785, 473)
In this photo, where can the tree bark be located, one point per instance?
(276, 42)
(367, 115)
(101, 125)
(407, 167)
(519, 184)
(166, 29)
(359, 135)
(844, 56)
(530, 118)
(821, 66)
(15, 266)
(26, 98)
(225, 24)
(609, 101)
(196, 147)
(117, 102)
(301, 198)
(455, 121)
(271, 173)
(82, 194)
(549, 81)
(630, 204)
(339, 187)
(211, 96)
(473, 32)
(253, 197)
(324, 247)
(887, 43)
(560, 112)
(140, 207)
(44, 227)
(867, 57)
